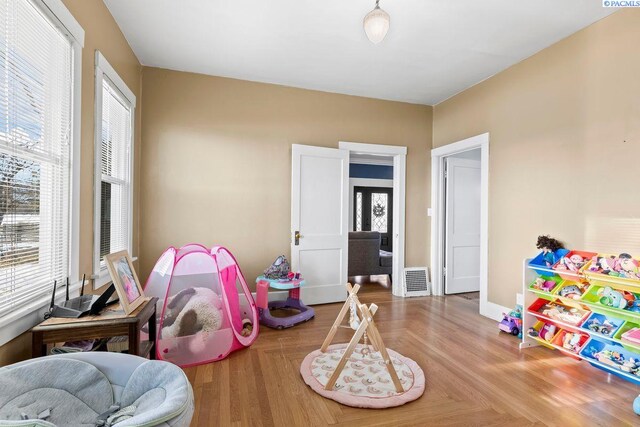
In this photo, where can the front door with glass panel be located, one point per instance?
(373, 212)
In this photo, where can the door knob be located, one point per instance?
(297, 237)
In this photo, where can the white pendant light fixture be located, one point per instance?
(376, 24)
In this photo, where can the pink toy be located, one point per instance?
(205, 309)
(543, 285)
(621, 266)
(547, 332)
(603, 265)
(632, 335)
(572, 341)
(572, 263)
(627, 266)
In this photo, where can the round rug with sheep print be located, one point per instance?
(365, 381)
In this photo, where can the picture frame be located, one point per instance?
(125, 280)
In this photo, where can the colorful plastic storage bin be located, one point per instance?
(604, 355)
(628, 337)
(540, 333)
(569, 341)
(541, 268)
(597, 276)
(557, 312)
(541, 290)
(567, 274)
(599, 324)
(570, 290)
(608, 300)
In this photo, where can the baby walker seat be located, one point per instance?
(293, 301)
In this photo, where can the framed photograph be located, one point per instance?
(125, 280)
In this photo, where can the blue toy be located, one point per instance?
(636, 405)
(635, 306)
(549, 247)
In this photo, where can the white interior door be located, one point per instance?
(462, 225)
(319, 221)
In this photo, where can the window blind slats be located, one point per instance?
(35, 122)
(116, 174)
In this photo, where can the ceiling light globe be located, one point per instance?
(376, 25)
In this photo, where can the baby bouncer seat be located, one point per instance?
(94, 389)
(205, 309)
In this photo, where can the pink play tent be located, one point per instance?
(205, 309)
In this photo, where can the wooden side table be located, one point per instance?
(112, 322)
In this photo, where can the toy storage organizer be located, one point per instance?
(602, 329)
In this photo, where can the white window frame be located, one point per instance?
(105, 70)
(29, 315)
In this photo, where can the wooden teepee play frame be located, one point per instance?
(366, 328)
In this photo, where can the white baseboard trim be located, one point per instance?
(493, 311)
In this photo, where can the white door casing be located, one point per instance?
(462, 225)
(399, 154)
(319, 213)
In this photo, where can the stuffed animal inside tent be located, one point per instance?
(191, 311)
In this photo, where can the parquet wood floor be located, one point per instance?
(476, 376)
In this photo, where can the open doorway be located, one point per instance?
(370, 259)
(438, 256)
(396, 158)
(320, 216)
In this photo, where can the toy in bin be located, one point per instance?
(615, 359)
(573, 261)
(572, 341)
(605, 327)
(624, 265)
(548, 331)
(632, 336)
(619, 299)
(572, 290)
(543, 284)
(563, 313)
(512, 323)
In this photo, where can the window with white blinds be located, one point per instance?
(36, 88)
(114, 139)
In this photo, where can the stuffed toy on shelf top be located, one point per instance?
(549, 246)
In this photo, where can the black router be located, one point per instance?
(79, 306)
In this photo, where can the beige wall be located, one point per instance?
(216, 161)
(101, 33)
(564, 147)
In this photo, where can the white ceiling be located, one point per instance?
(434, 49)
